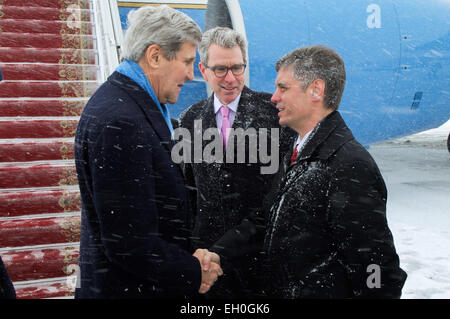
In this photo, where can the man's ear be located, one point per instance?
(317, 90)
(203, 70)
(153, 56)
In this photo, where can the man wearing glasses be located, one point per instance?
(227, 194)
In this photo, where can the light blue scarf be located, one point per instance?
(132, 70)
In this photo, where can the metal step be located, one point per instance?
(45, 13)
(15, 203)
(40, 263)
(45, 55)
(54, 89)
(42, 107)
(48, 288)
(40, 231)
(48, 72)
(37, 128)
(26, 175)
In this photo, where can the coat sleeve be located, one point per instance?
(357, 214)
(191, 190)
(124, 180)
(248, 236)
(245, 238)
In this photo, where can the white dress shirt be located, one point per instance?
(301, 141)
(233, 109)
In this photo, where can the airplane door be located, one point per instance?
(422, 95)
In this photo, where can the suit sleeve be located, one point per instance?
(357, 214)
(124, 182)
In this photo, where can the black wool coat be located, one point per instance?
(135, 237)
(225, 194)
(6, 286)
(328, 229)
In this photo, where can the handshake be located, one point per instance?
(210, 263)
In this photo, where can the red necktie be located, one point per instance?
(294, 154)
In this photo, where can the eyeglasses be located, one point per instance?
(221, 71)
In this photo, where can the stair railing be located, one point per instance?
(109, 36)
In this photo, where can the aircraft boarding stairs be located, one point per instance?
(48, 59)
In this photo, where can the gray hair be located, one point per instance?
(162, 25)
(224, 37)
(317, 62)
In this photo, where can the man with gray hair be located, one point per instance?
(328, 235)
(229, 193)
(135, 238)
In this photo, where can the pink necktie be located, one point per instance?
(225, 124)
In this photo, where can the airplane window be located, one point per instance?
(217, 15)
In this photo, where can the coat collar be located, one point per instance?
(246, 112)
(146, 104)
(326, 138)
(207, 115)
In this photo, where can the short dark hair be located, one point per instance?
(317, 62)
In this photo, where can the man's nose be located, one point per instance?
(190, 73)
(275, 97)
(229, 76)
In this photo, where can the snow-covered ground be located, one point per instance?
(416, 170)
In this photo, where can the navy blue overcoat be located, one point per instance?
(135, 234)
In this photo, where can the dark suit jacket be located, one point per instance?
(135, 237)
(227, 193)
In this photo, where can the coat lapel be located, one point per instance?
(148, 107)
(331, 129)
(246, 112)
(208, 118)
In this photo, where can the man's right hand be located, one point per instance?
(211, 270)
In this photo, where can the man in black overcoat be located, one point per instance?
(327, 236)
(227, 192)
(135, 236)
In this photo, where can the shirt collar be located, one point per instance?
(233, 105)
(301, 141)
